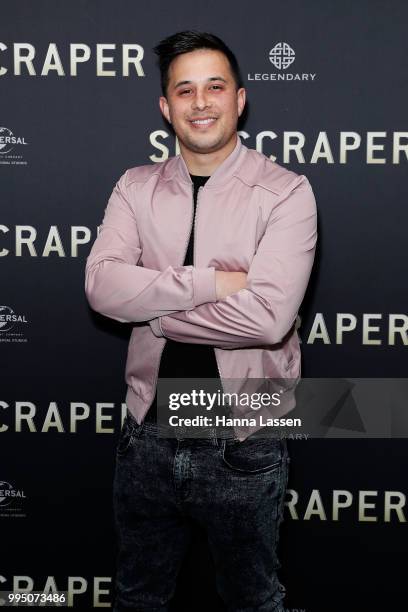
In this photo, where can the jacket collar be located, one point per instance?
(176, 167)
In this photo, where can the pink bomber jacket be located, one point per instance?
(252, 215)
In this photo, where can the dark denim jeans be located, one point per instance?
(234, 490)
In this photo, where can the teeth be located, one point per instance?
(203, 121)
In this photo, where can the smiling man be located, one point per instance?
(209, 253)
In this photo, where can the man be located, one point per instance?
(209, 253)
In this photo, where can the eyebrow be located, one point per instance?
(215, 78)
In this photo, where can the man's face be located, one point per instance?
(202, 103)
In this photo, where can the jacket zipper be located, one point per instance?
(194, 261)
(182, 262)
(195, 225)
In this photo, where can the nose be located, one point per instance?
(200, 101)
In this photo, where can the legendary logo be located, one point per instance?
(282, 55)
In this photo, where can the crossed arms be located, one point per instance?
(203, 305)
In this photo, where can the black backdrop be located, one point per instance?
(64, 142)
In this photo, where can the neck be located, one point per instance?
(204, 164)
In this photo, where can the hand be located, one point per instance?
(227, 283)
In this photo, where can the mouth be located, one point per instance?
(202, 123)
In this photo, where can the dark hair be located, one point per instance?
(189, 40)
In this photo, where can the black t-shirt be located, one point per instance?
(179, 359)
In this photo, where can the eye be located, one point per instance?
(216, 86)
(185, 91)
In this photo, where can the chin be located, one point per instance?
(203, 145)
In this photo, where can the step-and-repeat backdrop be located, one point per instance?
(79, 89)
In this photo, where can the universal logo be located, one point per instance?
(9, 142)
(11, 500)
(8, 322)
(282, 55)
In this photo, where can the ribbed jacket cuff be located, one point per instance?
(156, 327)
(204, 285)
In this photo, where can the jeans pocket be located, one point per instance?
(252, 456)
(130, 430)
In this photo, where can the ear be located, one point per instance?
(164, 107)
(241, 99)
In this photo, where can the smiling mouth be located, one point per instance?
(206, 121)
